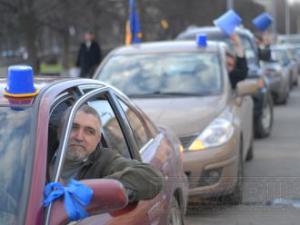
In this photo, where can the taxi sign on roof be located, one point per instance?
(20, 82)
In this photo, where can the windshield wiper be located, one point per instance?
(171, 93)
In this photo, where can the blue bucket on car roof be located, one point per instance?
(20, 82)
(228, 22)
(201, 40)
(262, 21)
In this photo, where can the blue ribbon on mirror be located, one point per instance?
(76, 196)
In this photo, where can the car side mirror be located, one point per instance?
(108, 195)
(247, 87)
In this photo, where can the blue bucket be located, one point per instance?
(262, 21)
(228, 22)
(201, 40)
(20, 81)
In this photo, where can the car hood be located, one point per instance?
(186, 116)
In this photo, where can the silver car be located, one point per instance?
(283, 54)
(186, 87)
(279, 80)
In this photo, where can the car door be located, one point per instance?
(245, 113)
(153, 148)
(116, 134)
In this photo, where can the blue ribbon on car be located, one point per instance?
(76, 196)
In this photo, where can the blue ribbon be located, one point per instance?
(76, 197)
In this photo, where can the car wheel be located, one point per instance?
(175, 216)
(236, 197)
(284, 99)
(296, 82)
(264, 123)
(250, 153)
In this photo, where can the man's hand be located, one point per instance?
(237, 45)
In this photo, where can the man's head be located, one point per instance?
(88, 36)
(85, 134)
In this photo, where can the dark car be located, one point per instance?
(28, 139)
(263, 103)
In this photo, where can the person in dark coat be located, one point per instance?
(236, 62)
(86, 159)
(89, 56)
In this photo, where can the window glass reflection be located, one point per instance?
(15, 152)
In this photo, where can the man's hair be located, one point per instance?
(86, 109)
(90, 110)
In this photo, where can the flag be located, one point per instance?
(133, 31)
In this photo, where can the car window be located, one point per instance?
(112, 131)
(138, 127)
(58, 109)
(164, 73)
(16, 152)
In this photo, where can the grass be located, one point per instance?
(51, 68)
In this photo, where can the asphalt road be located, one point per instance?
(274, 173)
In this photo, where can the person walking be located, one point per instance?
(89, 56)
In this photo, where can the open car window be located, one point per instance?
(111, 129)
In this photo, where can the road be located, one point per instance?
(273, 173)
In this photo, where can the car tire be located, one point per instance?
(296, 82)
(236, 197)
(175, 216)
(284, 99)
(250, 153)
(264, 123)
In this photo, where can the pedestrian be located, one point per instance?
(87, 159)
(236, 61)
(89, 56)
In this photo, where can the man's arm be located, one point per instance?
(240, 72)
(140, 180)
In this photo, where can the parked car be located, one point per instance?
(279, 80)
(28, 139)
(282, 54)
(187, 88)
(293, 63)
(263, 104)
(293, 40)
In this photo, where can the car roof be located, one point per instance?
(166, 46)
(191, 32)
(41, 83)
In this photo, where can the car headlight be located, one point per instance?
(217, 133)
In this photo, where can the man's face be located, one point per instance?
(85, 136)
(230, 63)
(88, 37)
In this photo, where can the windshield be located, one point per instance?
(164, 74)
(14, 154)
